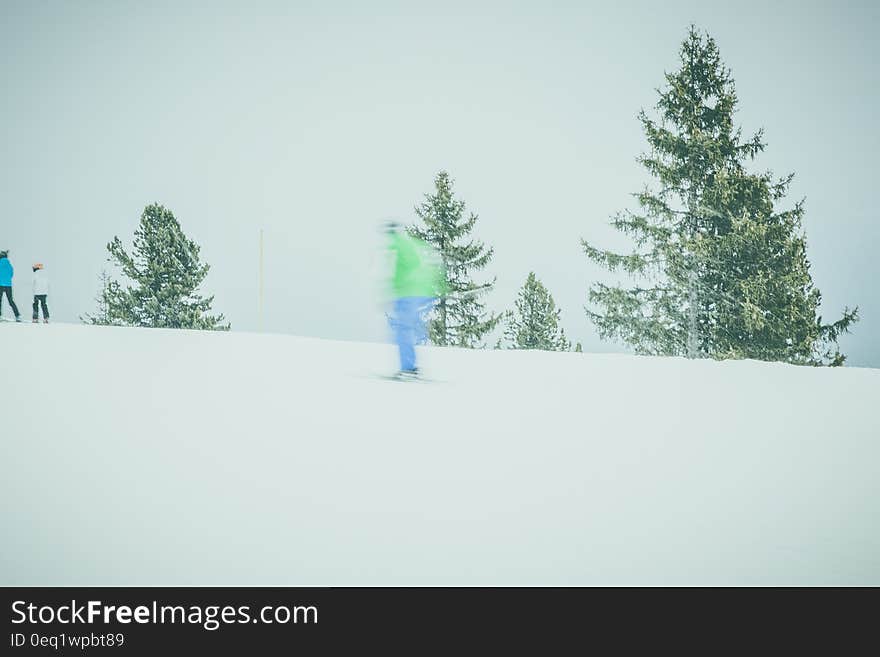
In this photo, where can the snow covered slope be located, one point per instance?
(137, 456)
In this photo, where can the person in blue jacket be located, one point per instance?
(6, 273)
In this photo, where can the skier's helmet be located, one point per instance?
(392, 227)
(4, 254)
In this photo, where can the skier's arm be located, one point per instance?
(390, 266)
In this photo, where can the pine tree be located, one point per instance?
(104, 299)
(460, 318)
(723, 271)
(165, 272)
(535, 322)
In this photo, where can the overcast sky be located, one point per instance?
(315, 121)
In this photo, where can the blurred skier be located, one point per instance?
(41, 291)
(6, 274)
(417, 280)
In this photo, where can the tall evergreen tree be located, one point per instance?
(460, 318)
(165, 272)
(723, 271)
(535, 322)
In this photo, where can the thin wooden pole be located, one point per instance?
(261, 280)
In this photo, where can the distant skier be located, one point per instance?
(6, 274)
(41, 291)
(417, 280)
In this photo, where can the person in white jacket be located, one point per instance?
(41, 291)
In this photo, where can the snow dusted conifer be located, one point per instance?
(723, 272)
(460, 318)
(104, 299)
(535, 322)
(165, 272)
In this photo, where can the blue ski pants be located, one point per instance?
(409, 325)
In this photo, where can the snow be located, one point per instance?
(154, 457)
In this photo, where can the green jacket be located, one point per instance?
(418, 269)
